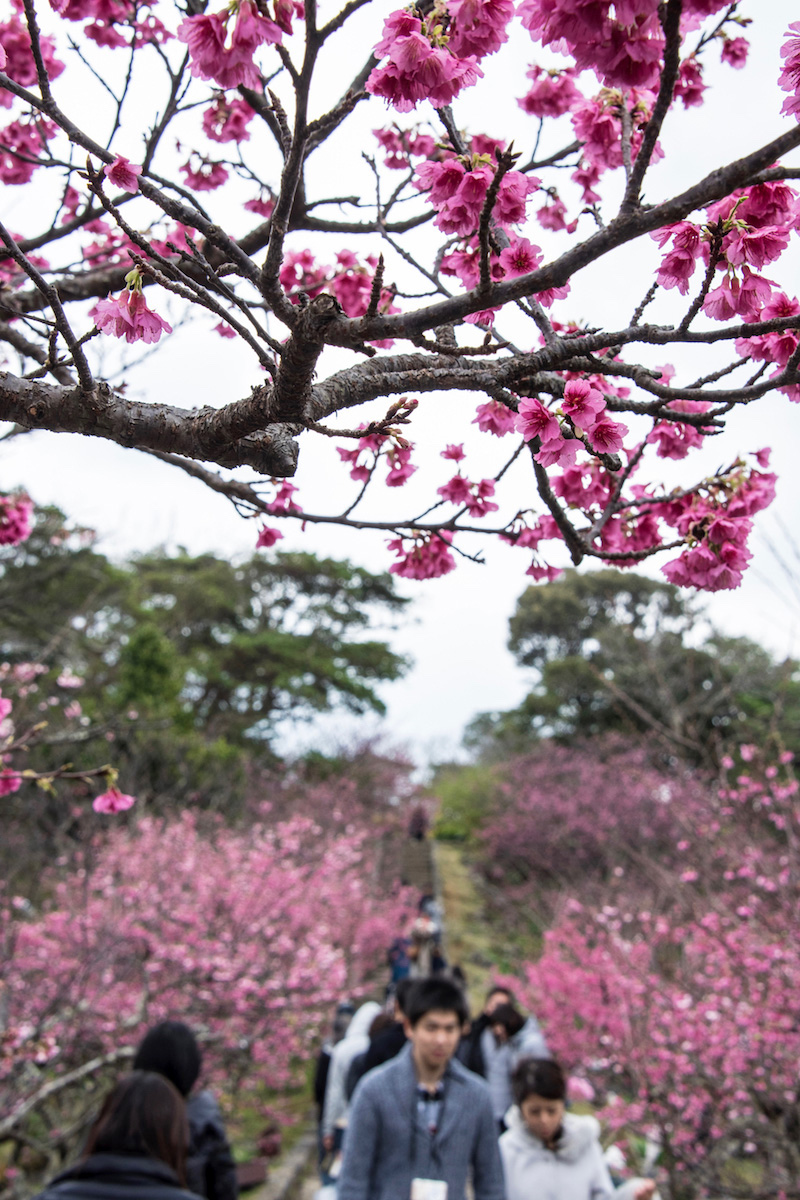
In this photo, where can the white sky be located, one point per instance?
(457, 628)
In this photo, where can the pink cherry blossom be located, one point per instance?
(123, 174)
(493, 417)
(19, 63)
(558, 450)
(427, 556)
(283, 501)
(128, 316)
(10, 781)
(229, 65)
(22, 148)
(203, 174)
(267, 537)
(455, 453)
(607, 436)
(16, 522)
(400, 467)
(790, 75)
(417, 69)
(552, 94)
(227, 120)
(479, 27)
(534, 420)
(457, 490)
(734, 52)
(113, 801)
(582, 403)
(480, 503)
(689, 86)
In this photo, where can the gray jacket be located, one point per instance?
(500, 1061)
(387, 1146)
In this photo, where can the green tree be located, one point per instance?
(190, 663)
(615, 651)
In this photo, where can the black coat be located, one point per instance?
(388, 1043)
(469, 1048)
(116, 1177)
(210, 1169)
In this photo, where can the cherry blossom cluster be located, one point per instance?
(127, 315)
(746, 232)
(716, 524)
(436, 56)
(585, 410)
(363, 458)
(138, 933)
(790, 75)
(15, 519)
(350, 281)
(422, 556)
(230, 63)
(624, 49)
(669, 986)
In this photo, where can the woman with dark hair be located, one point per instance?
(548, 1151)
(509, 1038)
(136, 1148)
(171, 1049)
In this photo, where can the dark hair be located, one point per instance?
(170, 1049)
(381, 1022)
(437, 994)
(145, 1115)
(401, 992)
(499, 988)
(538, 1077)
(509, 1017)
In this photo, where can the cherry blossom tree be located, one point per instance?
(251, 935)
(672, 989)
(191, 187)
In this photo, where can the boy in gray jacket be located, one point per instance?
(422, 1124)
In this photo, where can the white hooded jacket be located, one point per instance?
(574, 1170)
(354, 1042)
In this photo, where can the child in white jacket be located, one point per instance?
(550, 1153)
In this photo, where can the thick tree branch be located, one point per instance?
(207, 434)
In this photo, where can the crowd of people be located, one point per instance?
(414, 1100)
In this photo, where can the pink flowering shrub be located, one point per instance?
(251, 936)
(561, 819)
(670, 989)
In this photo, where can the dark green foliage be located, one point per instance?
(616, 652)
(189, 663)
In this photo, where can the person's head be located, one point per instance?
(539, 1088)
(381, 1022)
(505, 1021)
(171, 1049)
(401, 993)
(143, 1115)
(495, 997)
(434, 1019)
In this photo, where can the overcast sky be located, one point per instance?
(457, 628)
